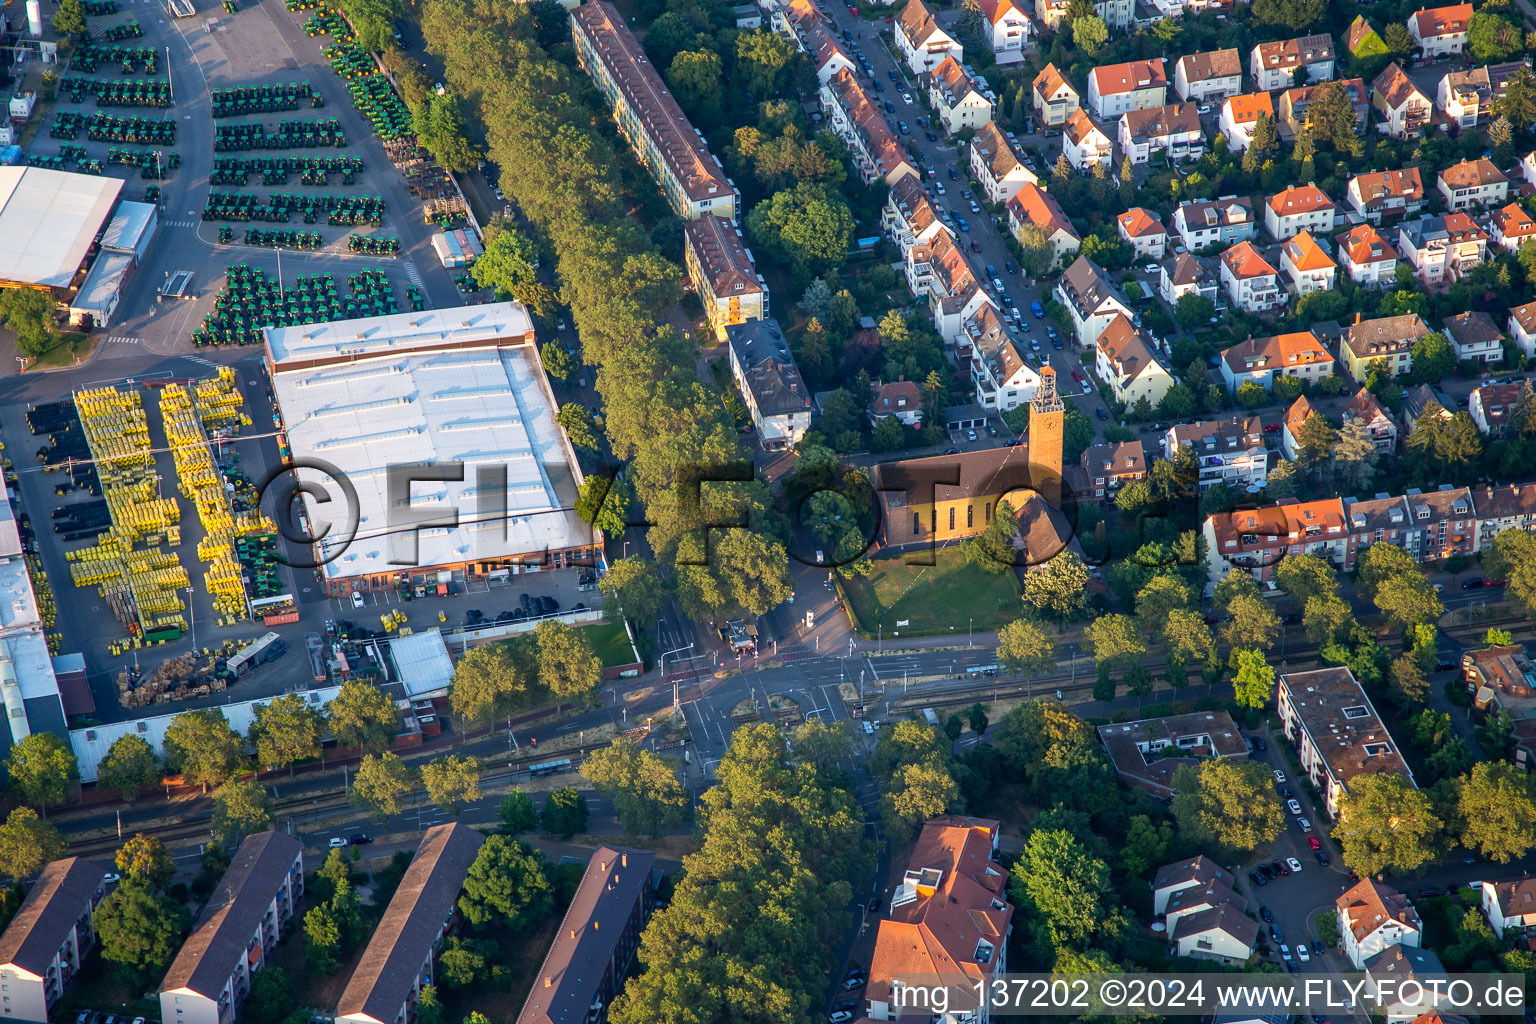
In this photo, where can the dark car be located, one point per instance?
(1101, 414)
(1010, 266)
(1445, 661)
(1290, 965)
(1258, 742)
(1268, 871)
(1275, 936)
(1257, 878)
(951, 451)
(1266, 916)
(874, 905)
(1280, 868)
(1427, 893)
(1476, 584)
(953, 176)
(1322, 857)
(1318, 949)
(361, 839)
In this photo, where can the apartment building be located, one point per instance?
(1294, 104)
(595, 947)
(921, 42)
(770, 382)
(1225, 221)
(1296, 209)
(1213, 75)
(910, 217)
(1492, 407)
(1522, 327)
(1054, 98)
(1239, 115)
(1118, 15)
(1147, 752)
(1115, 88)
(1144, 232)
(942, 273)
(1084, 144)
(1291, 423)
(1466, 97)
(1440, 31)
(1510, 227)
(803, 24)
(996, 165)
(1387, 194)
(1032, 204)
(1051, 13)
(649, 118)
(1374, 916)
(1125, 360)
(1442, 249)
(1002, 378)
(1251, 284)
(959, 101)
(1378, 423)
(1009, 29)
(1229, 451)
(1404, 109)
(1255, 539)
(1108, 467)
(1475, 337)
(854, 118)
(1511, 507)
(949, 917)
(722, 273)
(45, 943)
(1287, 62)
(1091, 300)
(1473, 184)
(1366, 257)
(1173, 129)
(401, 957)
(1325, 712)
(1307, 266)
(236, 932)
(1260, 360)
(1387, 339)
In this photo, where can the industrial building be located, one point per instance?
(49, 220)
(28, 687)
(456, 399)
(123, 245)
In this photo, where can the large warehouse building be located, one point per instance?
(49, 221)
(442, 388)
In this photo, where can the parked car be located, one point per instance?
(360, 839)
(1293, 863)
(906, 97)
(1280, 868)
(337, 843)
(1009, 266)
(1304, 824)
(1257, 878)
(1266, 916)
(1285, 952)
(1301, 952)
(839, 1017)
(357, 599)
(1475, 584)
(1318, 949)
(970, 435)
(1279, 776)
(1313, 843)
(1322, 858)
(1294, 806)
(1037, 309)
(1101, 414)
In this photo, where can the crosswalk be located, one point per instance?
(411, 273)
(124, 339)
(201, 361)
(181, 223)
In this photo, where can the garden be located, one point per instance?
(930, 599)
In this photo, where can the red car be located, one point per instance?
(1313, 843)
(1077, 376)
(1272, 428)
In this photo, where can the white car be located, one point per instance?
(1087, 388)
(1285, 952)
(337, 843)
(1150, 268)
(1301, 952)
(1294, 806)
(1279, 776)
(1304, 824)
(906, 97)
(1293, 864)
(357, 599)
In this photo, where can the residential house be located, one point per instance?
(1404, 109)
(1406, 983)
(910, 216)
(1195, 872)
(1500, 680)
(1206, 222)
(1475, 337)
(1051, 13)
(1511, 227)
(1510, 903)
(1229, 451)
(1213, 75)
(1031, 204)
(770, 382)
(1144, 232)
(1366, 257)
(942, 273)
(1084, 144)
(949, 917)
(956, 97)
(1492, 408)
(48, 939)
(1325, 712)
(1307, 265)
(921, 42)
(595, 947)
(1421, 401)
(996, 166)
(1294, 104)
(1252, 285)
(401, 957)
(1511, 507)
(1260, 360)
(802, 23)
(655, 127)
(1117, 15)
(722, 273)
(1115, 88)
(1528, 168)
(1091, 300)
(1466, 97)
(1255, 539)
(237, 931)
(1522, 327)
(1196, 899)
(1442, 249)
(878, 154)
(1297, 414)
(1125, 360)
(1363, 41)
(1008, 30)
(1373, 916)
(1003, 379)
(1238, 116)
(1473, 184)
(1148, 751)
(1185, 276)
(1378, 423)
(1287, 62)
(1173, 129)
(1387, 194)
(1054, 98)
(1109, 467)
(1444, 524)
(1296, 209)
(1221, 932)
(1440, 31)
(901, 399)
(1388, 340)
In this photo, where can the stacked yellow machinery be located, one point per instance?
(47, 611)
(142, 586)
(211, 405)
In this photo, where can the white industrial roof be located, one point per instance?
(459, 386)
(102, 284)
(91, 745)
(422, 662)
(127, 227)
(48, 220)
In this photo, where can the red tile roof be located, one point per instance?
(1114, 79)
(1243, 261)
(1442, 21)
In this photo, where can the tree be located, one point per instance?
(1146, 845)
(1294, 15)
(697, 81)
(1497, 812)
(976, 718)
(579, 426)
(1265, 138)
(145, 859)
(1253, 681)
(1036, 253)
(381, 784)
(362, 717)
(808, 226)
(1315, 441)
(761, 59)
(489, 682)
(1409, 688)
(1193, 310)
(1187, 637)
(1397, 38)
(202, 746)
(271, 997)
(567, 666)
(1231, 804)
(1059, 586)
(1068, 886)
(604, 502)
(1408, 598)
(1517, 103)
(139, 929)
(1161, 596)
(1492, 38)
(992, 550)
(1354, 454)
(322, 937)
(1496, 637)
(1114, 640)
(1304, 576)
(1252, 623)
(442, 130)
(646, 792)
(1332, 118)
(69, 20)
(129, 767)
(1433, 358)
(41, 768)
(517, 812)
(919, 792)
(564, 813)
(240, 806)
(633, 586)
(450, 781)
(286, 730)
(1090, 33)
(1024, 649)
(506, 884)
(1385, 825)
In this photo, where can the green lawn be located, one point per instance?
(63, 353)
(610, 642)
(932, 598)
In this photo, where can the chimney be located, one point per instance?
(595, 924)
(624, 860)
(1357, 317)
(548, 981)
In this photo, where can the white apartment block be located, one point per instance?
(48, 939)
